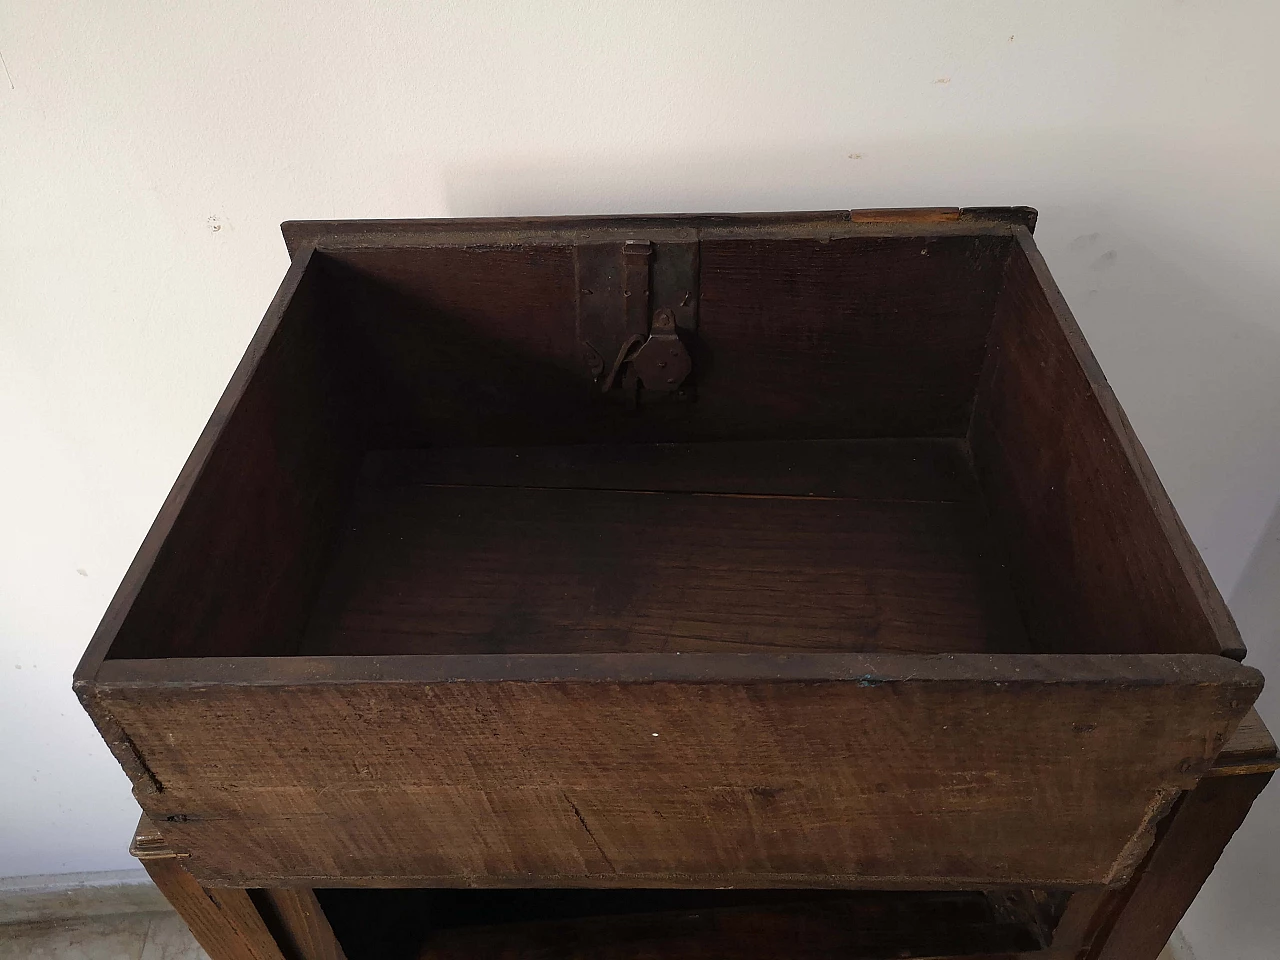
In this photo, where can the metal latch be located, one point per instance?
(662, 363)
(637, 307)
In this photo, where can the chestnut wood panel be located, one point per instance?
(232, 560)
(905, 774)
(1135, 922)
(237, 924)
(225, 922)
(799, 337)
(298, 233)
(1101, 559)
(440, 569)
(464, 344)
(888, 332)
(300, 923)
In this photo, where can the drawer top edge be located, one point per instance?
(867, 670)
(299, 233)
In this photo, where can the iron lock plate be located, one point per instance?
(637, 312)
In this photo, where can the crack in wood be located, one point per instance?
(583, 820)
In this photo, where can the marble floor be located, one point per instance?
(126, 936)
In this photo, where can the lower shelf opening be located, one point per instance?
(638, 924)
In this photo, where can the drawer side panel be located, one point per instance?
(1101, 559)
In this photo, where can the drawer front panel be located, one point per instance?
(907, 776)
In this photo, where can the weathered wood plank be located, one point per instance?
(887, 779)
(798, 338)
(298, 233)
(1251, 749)
(225, 922)
(455, 570)
(233, 556)
(1190, 843)
(1101, 559)
(302, 923)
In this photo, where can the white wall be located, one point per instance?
(147, 152)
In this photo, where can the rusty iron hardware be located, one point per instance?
(637, 305)
(662, 363)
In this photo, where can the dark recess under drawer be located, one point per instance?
(685, 924)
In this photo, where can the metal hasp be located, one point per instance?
(637, 308)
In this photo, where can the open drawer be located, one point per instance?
(762, 551)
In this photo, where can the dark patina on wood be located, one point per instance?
(893, 599)
(1128, 923)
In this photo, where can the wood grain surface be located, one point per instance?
(1190, 843)
(476, 344)
(233, 557)
(300, 923)
(1251, 749)
(706, 561)
(1102, 562)
(907, 776)
(225, 922)
(697, 664)
(327, 233)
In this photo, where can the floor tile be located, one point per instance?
(79, 895)
(94, 938)
(169, 939)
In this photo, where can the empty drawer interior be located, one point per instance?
(889, 443)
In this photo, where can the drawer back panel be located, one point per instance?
(798, 338)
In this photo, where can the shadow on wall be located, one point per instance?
(1255, 602)
(1236, 907)
(819, 176)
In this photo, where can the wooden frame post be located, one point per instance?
(235, 924)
